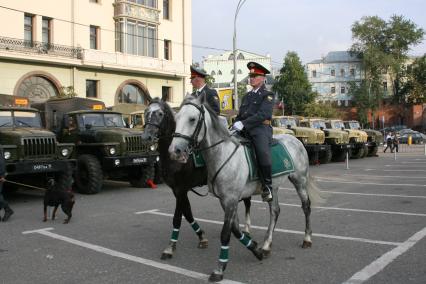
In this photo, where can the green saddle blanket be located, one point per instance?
(282, 163)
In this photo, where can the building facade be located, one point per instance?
(114, 50)
(221, 67)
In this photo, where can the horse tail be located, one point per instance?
(314, 192)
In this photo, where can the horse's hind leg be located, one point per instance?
(187, 212)
(274, 212)
(301, 185)
(247, 205)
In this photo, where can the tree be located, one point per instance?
(360, 92)
(67, 92)
(383, 48)
(321, 110)
(414, 88)
(292, 85)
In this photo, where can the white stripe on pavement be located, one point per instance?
(129, 257)
(371, 183)
(156, 212)
(380, 263)
(351, 209)
(376, 176)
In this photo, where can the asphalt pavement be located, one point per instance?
(370, 229)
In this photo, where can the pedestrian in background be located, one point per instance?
(3, 204)
(395, 142)
(388, 140)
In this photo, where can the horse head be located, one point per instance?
(158, 119)
(190, 129)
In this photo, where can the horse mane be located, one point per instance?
(168, 120)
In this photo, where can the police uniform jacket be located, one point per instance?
(211, 97)
(256, 111)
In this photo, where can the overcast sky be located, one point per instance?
(310, 27)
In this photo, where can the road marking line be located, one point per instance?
(363, 240)
(373, 183)
(380, 263)
(376, 176)
(129, 257)
(404, 170)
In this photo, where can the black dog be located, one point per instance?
(54, 197)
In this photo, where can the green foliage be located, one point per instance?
(67, 92)
(361, 92)
(383, 47)
(414, 88)
(326, 110)
(292, 85)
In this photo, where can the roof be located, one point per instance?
(225, 56)
(337, 56)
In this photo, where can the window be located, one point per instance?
(132, 94)
(94, 37)
(342, 72)
(149, 3)
(232, 71)
(352, 72)
(166, 93)
(239, 71)
(314, 73)
(91, 89)
(219, 73)
(240, 56)
(333, 90)
(342, 90)
(333, 72)
(167, 49)
(385, 86)
(93, 1)
(136, 38)
(213, 73)
(28, 29)
(46, 31)
(166, 9)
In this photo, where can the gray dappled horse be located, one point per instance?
(198, 128)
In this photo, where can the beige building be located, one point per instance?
(114, 50)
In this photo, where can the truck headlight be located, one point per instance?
(7, 155)
(153, 147)
(65, 152)
(112, 151)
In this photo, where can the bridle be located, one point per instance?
(194, 145)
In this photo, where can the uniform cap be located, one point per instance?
(196, 72)
(256, 68)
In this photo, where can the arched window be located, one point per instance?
(219, 73)
(240, 56)
(213, 73)
(37, 89)
(232, 71)
(239, 71)
(132, 94)
(231, 56)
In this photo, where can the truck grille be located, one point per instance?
(39, 147)
(136, 144)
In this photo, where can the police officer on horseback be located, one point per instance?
(255, 117)
(198, 81)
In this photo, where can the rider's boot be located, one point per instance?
(267, 183)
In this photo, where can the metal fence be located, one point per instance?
(405, 148)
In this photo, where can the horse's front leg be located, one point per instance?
(274, 212)
(187, 212)
(177, 221)
(247, 225)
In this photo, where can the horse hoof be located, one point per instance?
(165, 256)
(203, 244)
(266, 253)
(214, 277)
(247, 234)
(258, 253)
(306, 244)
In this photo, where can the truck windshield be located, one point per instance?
(338, 125)
(354, 125)
(21, 119)
(318, 124)
(287, 121)
(102, 120)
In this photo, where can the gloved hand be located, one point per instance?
(238, 126)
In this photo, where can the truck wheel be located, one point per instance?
(64, 179)
(142, 175)
(365, 151)
(89, 176)
(373, 151)
(326, 156)
(357, 153)
(340, 156)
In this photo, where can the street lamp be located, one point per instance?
(240, 4)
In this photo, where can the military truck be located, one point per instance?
(133, 114)
(312, 139)
(337, 139)
(105, 148)
(374, 137)
(357, 138)
(32, 154)
(275, 130)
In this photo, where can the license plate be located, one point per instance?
(139, 160)
(42, 167)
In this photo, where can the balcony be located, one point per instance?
(39, 48)
(131, 10)
(122, 61)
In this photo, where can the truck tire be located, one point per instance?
(373, 151)
(64, 179)
(340, 155)
(365, 151)
(89, 176)
(357, 153)
(139, 178)
(326, 156)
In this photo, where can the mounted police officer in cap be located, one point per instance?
(198, 81)
(255, 117)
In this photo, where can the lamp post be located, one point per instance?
(240, 4)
